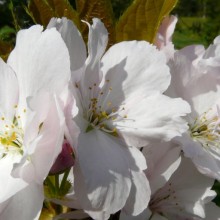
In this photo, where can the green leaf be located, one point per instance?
(6, 32)
(142, 19)
(101, 9)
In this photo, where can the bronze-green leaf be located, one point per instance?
(142, 19)
(5, 49)
(101, 9)
(42, 11)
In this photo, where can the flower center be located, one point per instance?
(100, 112)
(206, 128)
(11, 137)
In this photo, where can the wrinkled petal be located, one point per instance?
(159, 119)
(124, 73)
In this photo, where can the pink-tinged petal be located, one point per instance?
(8, 91)
(159, 119)
(163, 159)
(24, 205)
(70, 111)
(73, 40)
(165, 32)
(124, 74)
(38, 63)
(44, 149)
(190, 83)
(101, 174)
(9, 186)
(210, 61)
(50, 145)
(164, 36)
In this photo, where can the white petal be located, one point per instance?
(25, 205)
(91, 74)
(146, 214)
(8, 91)
(187, 190)
(156, 117)
(188, 82)
(163, 159)
(164, 36)
(44, 149)
(207, 160)
(38, 63)
(97, 42)
(9, 186)
(139, 196)
(127, 74)
(212, 211)
(73, 40)
(105, 173)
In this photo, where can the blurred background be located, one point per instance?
(199, 20)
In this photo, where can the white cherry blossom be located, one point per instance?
(31, 120)
(121, 108)
(201, 88)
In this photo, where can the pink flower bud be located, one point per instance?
(64, 160)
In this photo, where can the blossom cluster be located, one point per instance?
(134, 128)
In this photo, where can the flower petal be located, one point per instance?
(38, 63)
(163, 159)
(8, 91)
(103, 171)
(24, 205)
(9, 186)
(44, 149)
(124, 73)
(73, 40)
(139, 196)
(158, 118)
